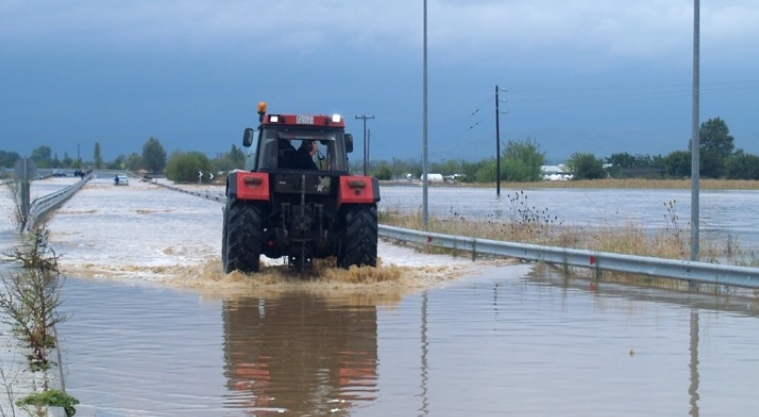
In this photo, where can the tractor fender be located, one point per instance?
(244, 185)
(356, 189)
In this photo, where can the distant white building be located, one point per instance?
(433, 177)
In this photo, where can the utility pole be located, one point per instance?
(497, 146)
(366, 149)
(695, 141)
(424, 130)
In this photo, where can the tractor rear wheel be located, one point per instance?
(359, 245)
(244, 237)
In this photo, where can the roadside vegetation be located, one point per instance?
(29, 305)
(528, 224)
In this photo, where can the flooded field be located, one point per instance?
(155, 329)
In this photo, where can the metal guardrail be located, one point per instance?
(43, 205)
(208, 196)
(701, 272)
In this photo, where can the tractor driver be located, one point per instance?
(304, 157)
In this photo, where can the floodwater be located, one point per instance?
(722, 213)
(155, 329)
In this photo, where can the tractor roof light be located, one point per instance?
(262, 108)
(274, 118)
(336, 118)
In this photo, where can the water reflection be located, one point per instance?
(299, 352)
(694, 376)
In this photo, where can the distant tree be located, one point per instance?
(466, 168)
(621, 160)
(134, 162)
(184, 167)
(384, 171)
(8, 159)
(153, 156)
(237, 156)
(67, 161)
(97, 157)
(522, 161)
(623, 165)
(716, 145)
(585, 166)
(677, 164)
(742, 166)
(42, 156)
(486, 171)
(118, 163)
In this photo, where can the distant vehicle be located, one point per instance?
(59, 173)
(121, 179)
(454, 177)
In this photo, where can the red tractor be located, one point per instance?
(297, 198)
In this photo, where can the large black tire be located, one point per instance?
(359, 245)
(244, 237)
(224, 228)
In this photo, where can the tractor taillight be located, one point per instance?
(357, 183)
(252, 180)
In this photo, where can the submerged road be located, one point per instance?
(156, 330)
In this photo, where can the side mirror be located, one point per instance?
(348, 143)
(247, 137)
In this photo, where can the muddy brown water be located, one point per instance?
(507, 342)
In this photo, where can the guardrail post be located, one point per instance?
(474, 249)
(24, 200)
(598, 273)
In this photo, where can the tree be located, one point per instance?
(153, 156)
(624, 165)
(237, 156)
(742, 166)
(67, 161)
(118, 163)
(134, 162)
(522, 161)
(384, 171)
(8, 159)
(42, 156)
(97, 157)
(184, 167)
(485, 171)
(677, 164)
(585, 166)
(716, 145)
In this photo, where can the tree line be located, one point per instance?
(521, 161)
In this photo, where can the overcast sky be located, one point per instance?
(599, 76)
